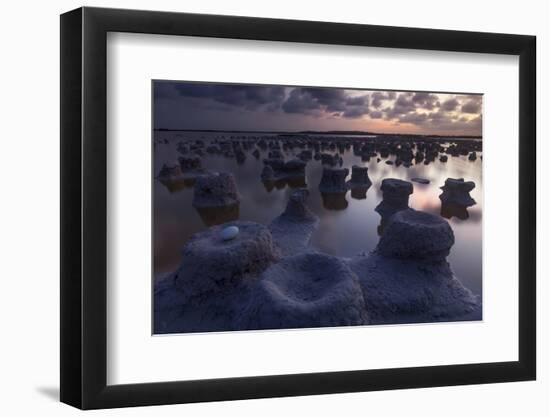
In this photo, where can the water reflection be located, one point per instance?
(212, 216)
(175, 186)
(291, 182)
(334, 201)
(359, 193)
(452, 210)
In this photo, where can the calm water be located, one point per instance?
(347, 227)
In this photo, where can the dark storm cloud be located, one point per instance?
(376, 114)
(403, 104)
(300, 102)
(428, 111)
(461, 125)
(357, 101)
(450, 104)
(409, 107)
(317, 101)
(164, 90)
(354, 112)
(443, 120)
(234, 106)
(331, 99)
(427, 101)
(450, 113)
(378, 96)
(247, 97)
(471, 106)
(439, 115)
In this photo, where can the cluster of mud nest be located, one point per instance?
(268, 277)
(278, 173)
(328, 149)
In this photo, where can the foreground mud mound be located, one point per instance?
(407, 278)
(243, 275)
(412, 234)
(211, 264)
(308, 290)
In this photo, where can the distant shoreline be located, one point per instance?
(314, 132)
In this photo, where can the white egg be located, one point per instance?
(229, 232)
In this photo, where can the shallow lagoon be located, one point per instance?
(347, 227)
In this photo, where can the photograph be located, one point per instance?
(295, 207)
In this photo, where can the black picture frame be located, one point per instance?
(84, 207)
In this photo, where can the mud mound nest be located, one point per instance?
(307, 290)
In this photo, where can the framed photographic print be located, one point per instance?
(257, 208)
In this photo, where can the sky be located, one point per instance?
(243, 107)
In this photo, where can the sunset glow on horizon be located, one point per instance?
(243, 107)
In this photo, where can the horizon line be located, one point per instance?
(301, 132)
